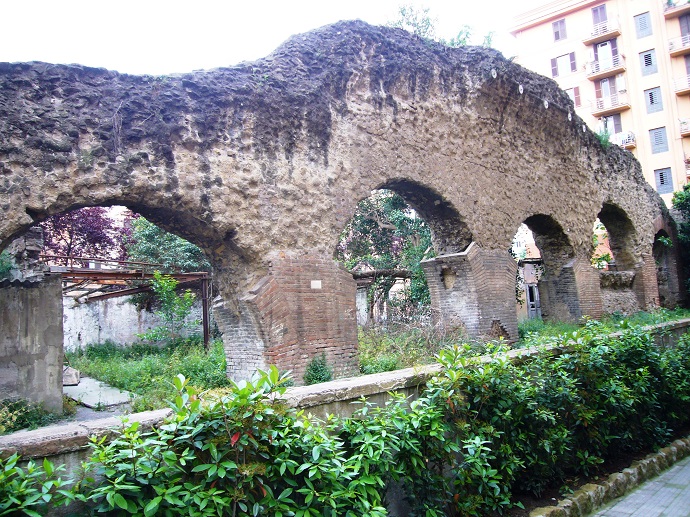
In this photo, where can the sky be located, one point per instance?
(162, 37)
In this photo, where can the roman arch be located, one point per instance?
(263, 163)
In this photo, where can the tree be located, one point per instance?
(147, 242)
(386, 240)
(419, 22)
(87, 232)
(174, 309)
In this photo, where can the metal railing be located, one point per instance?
(613, 101)
(679, 43)
(596, 67)
(604, 28)
(623, 139)
(682, 83)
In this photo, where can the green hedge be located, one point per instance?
(478, 432)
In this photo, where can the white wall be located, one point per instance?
(114, 319)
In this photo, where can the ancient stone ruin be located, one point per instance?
(262, 164)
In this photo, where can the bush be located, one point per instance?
(318, 370)
(17, 414)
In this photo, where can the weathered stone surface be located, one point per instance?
(70, 376)
(262, 165)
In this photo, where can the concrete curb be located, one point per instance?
(591, 497)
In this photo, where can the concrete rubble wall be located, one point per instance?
(266, 161)
(114, 319)
(31, 355)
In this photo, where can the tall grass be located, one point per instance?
(146, 370)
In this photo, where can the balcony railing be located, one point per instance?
(602, 32)
(685, 127)
(682, 85)
(675, 8)
(625, 139)
(606, 67)
(679, 46)
(608, 105)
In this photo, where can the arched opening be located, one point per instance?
(665, 268)
(390, 245)
(530, 271)
(92, 272)
(551, 276)
(613, 245)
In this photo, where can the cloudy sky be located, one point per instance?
(160, 37)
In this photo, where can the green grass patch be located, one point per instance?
(146, 370)
(18, 414)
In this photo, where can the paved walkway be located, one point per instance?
(95, 394)
(667, 495)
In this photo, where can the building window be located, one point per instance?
(599, 14)
(652, 98)
(643, 25)
(658, 140)
(562, 64)
(574, 94)
(612, 124)
(559, 30)
(648, 62)
(664, 180)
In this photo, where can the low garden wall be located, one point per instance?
(67, 444)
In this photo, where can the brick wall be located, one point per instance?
(645, 283)
(306, 307)
(476, 289)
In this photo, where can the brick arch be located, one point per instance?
(622, 235)
(263, 163)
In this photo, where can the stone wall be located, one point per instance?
(114, 319)
(31, 355)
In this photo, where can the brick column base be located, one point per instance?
(299, 310)
(475, 288)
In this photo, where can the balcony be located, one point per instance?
(682, 85)
(605, 67)
(609, 105)
(685, 127)
(603, 31)
(679, 46)
(625, 139)
(675, 8)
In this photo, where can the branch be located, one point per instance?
(395, 273)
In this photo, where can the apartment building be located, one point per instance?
(626, 66)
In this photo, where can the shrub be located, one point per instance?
(318, 370)
(17, 414)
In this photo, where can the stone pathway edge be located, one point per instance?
(591, 497)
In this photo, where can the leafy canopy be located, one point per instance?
(149, 243)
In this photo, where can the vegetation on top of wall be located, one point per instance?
(17, 414)
(317, 370)
(479, 433)
(6, 264)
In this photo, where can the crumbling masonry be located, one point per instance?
(262, 165)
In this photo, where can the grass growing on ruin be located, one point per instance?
(405, 346)
(146, 370)
(18, 414)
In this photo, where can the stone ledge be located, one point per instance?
(590, 497)
(61, 439)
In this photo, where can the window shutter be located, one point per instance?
(648, 62)
(653, 100)
(643, 26)
(664, 180)
(658, 140)
(576, 93)
(554, 68)
(573, 64)
(614, 47)
(617, 125)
